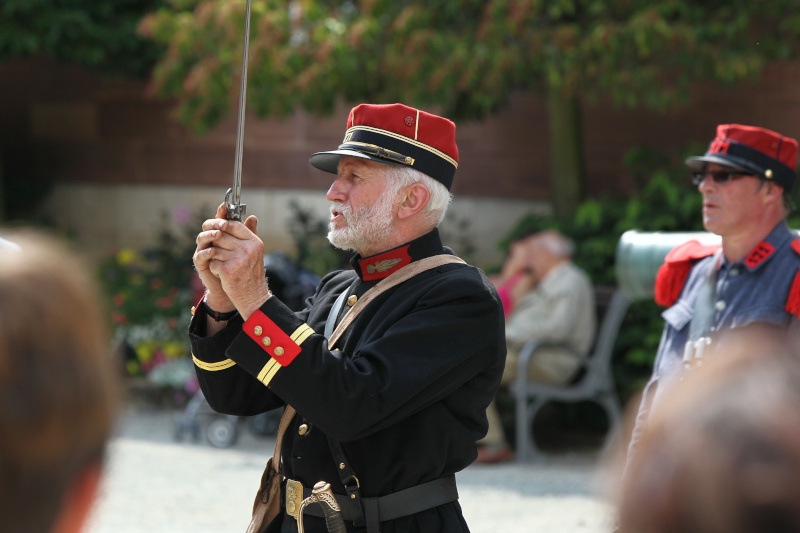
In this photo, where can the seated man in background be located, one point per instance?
(547, 298)
(58, 389)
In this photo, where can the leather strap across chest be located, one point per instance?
(404, 274)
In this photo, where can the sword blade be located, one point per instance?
(233, 203)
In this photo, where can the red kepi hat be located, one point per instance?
(765, 153)
(398, 135)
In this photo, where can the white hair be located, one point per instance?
(403, 176)
(557, 244)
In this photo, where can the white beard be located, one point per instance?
(365, 227)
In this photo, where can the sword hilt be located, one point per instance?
(323, 495)
(235, 211)
(333, 513)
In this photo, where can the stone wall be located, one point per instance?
(106, 217)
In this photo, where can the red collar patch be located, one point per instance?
(760, 253)
(796, 245)
(382, 265)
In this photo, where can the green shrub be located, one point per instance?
(150, 294)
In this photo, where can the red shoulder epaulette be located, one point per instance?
(672, 275)
(793, 299)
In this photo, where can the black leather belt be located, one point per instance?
(401, 503)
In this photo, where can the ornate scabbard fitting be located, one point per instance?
(294, 498)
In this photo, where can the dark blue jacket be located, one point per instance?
(406, 396)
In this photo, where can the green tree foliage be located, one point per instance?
(99, 34)
(464, 56)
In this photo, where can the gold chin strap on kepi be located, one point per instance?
(323, 495)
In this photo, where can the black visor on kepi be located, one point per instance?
(698, 163)
(329, 161)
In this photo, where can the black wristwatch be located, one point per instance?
(216, 315)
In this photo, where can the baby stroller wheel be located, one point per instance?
(222, 432)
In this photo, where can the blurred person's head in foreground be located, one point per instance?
(721, 453)
(58, 390)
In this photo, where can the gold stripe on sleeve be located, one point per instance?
(268, 372)
(213, 367)
(301, 334)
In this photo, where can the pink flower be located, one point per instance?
(181, 214)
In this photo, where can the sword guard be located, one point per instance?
(323, 495)
(234, 211)
(333, 514)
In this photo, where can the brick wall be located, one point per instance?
(67, 124)
(80, 131)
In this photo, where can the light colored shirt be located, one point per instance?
(561, 309)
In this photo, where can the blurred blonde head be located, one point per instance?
(58, 390)
(721, 453)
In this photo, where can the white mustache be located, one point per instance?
(342, 209)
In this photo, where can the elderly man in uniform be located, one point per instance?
(745, 177)
(403, 391)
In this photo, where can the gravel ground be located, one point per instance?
(155, 484)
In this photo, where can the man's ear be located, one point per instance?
(774, 191)
(414, 200)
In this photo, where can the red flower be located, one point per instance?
(164, 302)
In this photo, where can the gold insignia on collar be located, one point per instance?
(382, 266)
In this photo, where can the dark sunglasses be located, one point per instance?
(719, 176)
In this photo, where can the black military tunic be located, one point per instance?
(406, 395)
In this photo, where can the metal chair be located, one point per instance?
(595, 384)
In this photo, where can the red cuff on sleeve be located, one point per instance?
(271, 338)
